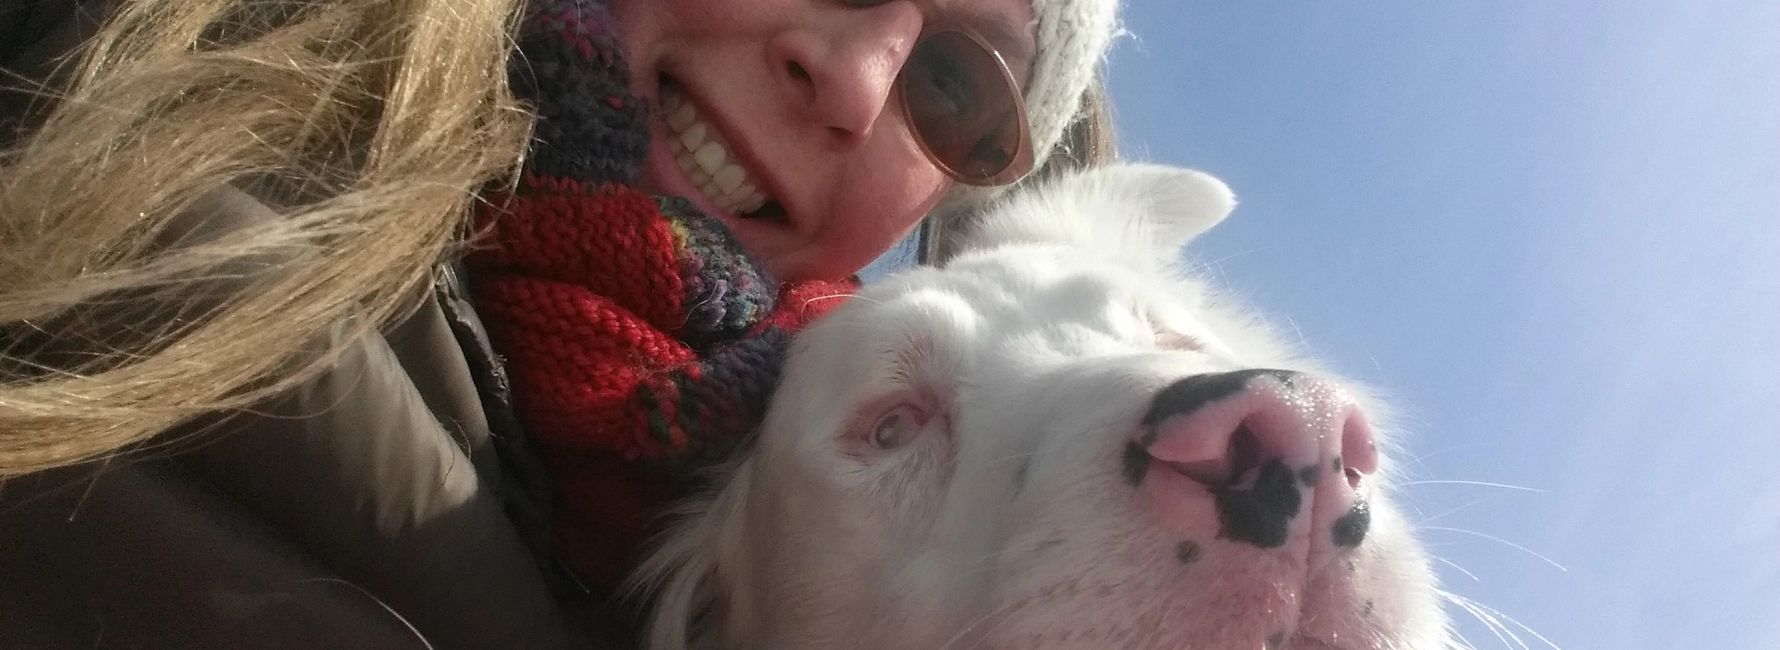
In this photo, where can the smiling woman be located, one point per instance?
(232, 270)
(780, 125)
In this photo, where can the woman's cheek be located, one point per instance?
(896, 202)
(869, 213)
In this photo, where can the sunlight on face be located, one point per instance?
(775, 116)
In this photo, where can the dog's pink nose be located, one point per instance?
(1262, 441)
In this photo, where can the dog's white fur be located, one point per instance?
(997, 518)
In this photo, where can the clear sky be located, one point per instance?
(1550, 229)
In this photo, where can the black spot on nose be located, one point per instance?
(1308, 475)
(1350, 529)
(1187, 552)
(1262, 513)
(1278, 640)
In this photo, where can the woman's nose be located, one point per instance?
(838, 69)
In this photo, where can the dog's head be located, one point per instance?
(1054, 441)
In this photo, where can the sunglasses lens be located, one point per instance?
(965, 110)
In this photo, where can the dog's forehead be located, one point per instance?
(983, 300)
(1017, 286)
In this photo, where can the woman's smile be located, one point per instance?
(702, 152)
(694, 153)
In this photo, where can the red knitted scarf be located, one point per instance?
(641, 344)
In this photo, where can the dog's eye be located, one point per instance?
(897, 426)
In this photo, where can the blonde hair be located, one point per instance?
(380, 119)
(1089, 140)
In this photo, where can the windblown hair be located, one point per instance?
(378, 120)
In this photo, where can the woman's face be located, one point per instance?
(778, 116)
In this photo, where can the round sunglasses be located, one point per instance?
(964, 107)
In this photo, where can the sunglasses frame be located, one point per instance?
(1022, 161)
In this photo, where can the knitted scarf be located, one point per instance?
(642, 343)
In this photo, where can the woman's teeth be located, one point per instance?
(704, 157)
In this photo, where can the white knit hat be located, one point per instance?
(1072, 39)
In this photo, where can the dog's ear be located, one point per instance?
(1122, 210)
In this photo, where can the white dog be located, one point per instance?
(1053, 442)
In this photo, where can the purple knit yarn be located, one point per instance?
(589, 125)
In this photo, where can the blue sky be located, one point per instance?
(1550, 230)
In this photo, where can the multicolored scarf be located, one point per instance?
(641, 342)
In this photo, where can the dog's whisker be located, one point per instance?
(1504, 542)
(1524, 627)
(1495, 627)
(1458, 568)
(1493, 620)
(1505, 486)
